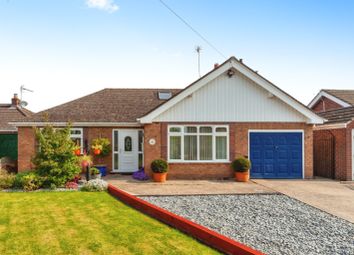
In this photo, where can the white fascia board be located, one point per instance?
(330, 97)
(193, 87)
(77, 124)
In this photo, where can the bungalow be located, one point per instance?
(8, 133)
(334, 140)
(229, 112)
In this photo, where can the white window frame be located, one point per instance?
(214, 134)
(80, 136)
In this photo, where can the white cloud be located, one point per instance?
(105, 5)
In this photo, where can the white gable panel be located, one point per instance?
(231, 99)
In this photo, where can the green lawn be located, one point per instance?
(84, 223)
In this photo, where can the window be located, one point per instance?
(76, 135)
(128, 143)
(198, 143)
(141, 149)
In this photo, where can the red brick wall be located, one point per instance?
(26, 145)
(325, 104)
(238, 147)
(26, 148)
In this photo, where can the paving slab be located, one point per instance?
(185, 187)
(330, 196)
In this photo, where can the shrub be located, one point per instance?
(71, 185)
(159, 166)
(55, 161)
(28, 181)
(6, 179)
(241, 164)
(103, 144)
(95, 185)
(94, 171)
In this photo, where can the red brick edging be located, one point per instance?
(203, 234)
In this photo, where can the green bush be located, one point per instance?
(159, 166)
(55, 161)
(241, 164)
(27, 181)
(94, 171)
(6, 179)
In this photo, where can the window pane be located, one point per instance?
(77, 141)
(115, 161)
(221, 147)
(190, 129)
(141, 140)
(75, 131)
(127, 143)
(221, 129)
(175, 129)
(115, 145)
(190, 147)
(175, 147)
(205, 129)
(206, 147)
(140, 160)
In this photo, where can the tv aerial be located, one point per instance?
(22, 89)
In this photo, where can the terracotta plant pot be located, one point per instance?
(242, 176)
(77, 152)
(97, 151)
(159, 177)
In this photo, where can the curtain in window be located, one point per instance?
(221, 147)
(206, 147)
(175, 147)
(190, 147)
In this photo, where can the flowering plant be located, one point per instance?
(95, 185)
(71, 185)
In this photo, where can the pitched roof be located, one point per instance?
(342, 115)
(345, 95)
(107, 105)
(10, 113)
(233, 63)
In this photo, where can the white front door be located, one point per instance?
(126, 150)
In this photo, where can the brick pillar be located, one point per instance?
(26, 148)
(151, 151)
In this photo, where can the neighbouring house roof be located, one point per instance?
(342, 115)
(10, 113)
(107, 106)
(234, 64)
(343, 97)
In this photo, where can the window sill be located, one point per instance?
(199, 162)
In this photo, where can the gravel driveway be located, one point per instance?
(273, 224)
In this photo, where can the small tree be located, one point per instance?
(55, 160)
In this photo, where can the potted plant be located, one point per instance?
(85, 161)
(241, 166)
(159, 168)
(101, 148)
(97, 149)
(77, 150)
(95, 173)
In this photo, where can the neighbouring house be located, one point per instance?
(334, 140)
(332, 99)
(231, 111)
(8, 133)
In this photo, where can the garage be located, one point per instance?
(276, 155)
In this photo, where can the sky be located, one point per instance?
(65, 49)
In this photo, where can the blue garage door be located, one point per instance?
(276, 155)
